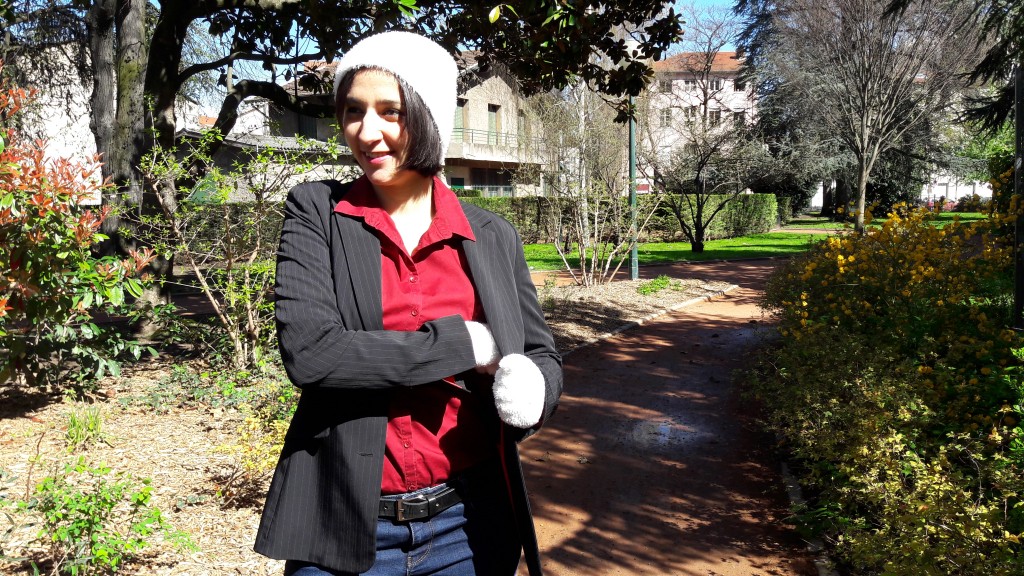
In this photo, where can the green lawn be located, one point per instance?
(806, 222)
(544, 256)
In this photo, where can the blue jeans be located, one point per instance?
(476, 537)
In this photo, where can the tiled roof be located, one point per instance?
(690, 61)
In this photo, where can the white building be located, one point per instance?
(695, 97)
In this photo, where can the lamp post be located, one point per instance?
(634, 266)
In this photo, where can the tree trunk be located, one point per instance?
(828, 198)
(863, 170)
(100, 22)
(699, 226)
(843, 195)
(129, 131)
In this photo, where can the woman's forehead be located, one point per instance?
(373, 82)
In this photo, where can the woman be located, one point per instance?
(411, 324)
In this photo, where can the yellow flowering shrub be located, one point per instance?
(901, 396)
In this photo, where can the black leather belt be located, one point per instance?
(419, 507)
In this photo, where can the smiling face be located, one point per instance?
(372, 117)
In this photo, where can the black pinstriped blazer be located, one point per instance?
(322, 504)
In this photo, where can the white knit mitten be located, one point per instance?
(519, 391)
(485, 350)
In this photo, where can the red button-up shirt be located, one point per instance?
(434, 430)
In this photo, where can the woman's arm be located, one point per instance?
(317, 348)
(523, 379)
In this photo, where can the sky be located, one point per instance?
(718, 4)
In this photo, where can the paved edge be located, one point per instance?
(794, 494)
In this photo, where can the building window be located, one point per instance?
(665, 85)
(691, 112)
(715, 84)
(739, 119)
(690, 83)
(460, 120)
(521, 126)
(715, 117)
(739, 85)
(493, 123)
(666, 117)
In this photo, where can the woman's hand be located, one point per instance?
(519, 391)
(485, 350)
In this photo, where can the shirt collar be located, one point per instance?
(449, 218)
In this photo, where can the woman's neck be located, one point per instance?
(414, 200)
(411, 209)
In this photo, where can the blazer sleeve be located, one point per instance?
(538, 343)
(317, 347)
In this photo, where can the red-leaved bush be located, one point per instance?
(51, 285)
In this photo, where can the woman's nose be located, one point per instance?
(371, 128)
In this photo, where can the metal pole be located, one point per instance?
(634, 271)
(1018, 190)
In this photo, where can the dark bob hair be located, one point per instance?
(425, 154)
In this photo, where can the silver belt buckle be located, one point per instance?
(400, 508)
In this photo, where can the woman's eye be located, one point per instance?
(352, 111)
(392, 113)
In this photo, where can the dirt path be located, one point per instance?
(653, 465)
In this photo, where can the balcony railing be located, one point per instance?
(490, 191)
(471, 136)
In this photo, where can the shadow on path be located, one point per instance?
(652, 464)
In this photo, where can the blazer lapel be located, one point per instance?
(483, 258)
(362, 256)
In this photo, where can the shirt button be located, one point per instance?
(414, 279)
(415, 313)
(406, 444)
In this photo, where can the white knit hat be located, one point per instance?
(424, 65)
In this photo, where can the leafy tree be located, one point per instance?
(871, 76)
(1003, 47)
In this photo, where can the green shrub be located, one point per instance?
(744, 214)
(897, 387)
(973, 203)
(94, 522)
(653, 286)
(85, 426)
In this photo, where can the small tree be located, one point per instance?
(699, 181)
(585, 172)
(696, 148)
(225, 234)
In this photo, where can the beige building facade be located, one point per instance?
(491, 144)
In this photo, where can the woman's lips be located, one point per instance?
(376, 157)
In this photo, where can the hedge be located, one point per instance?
(535, 217)
(745, 214)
